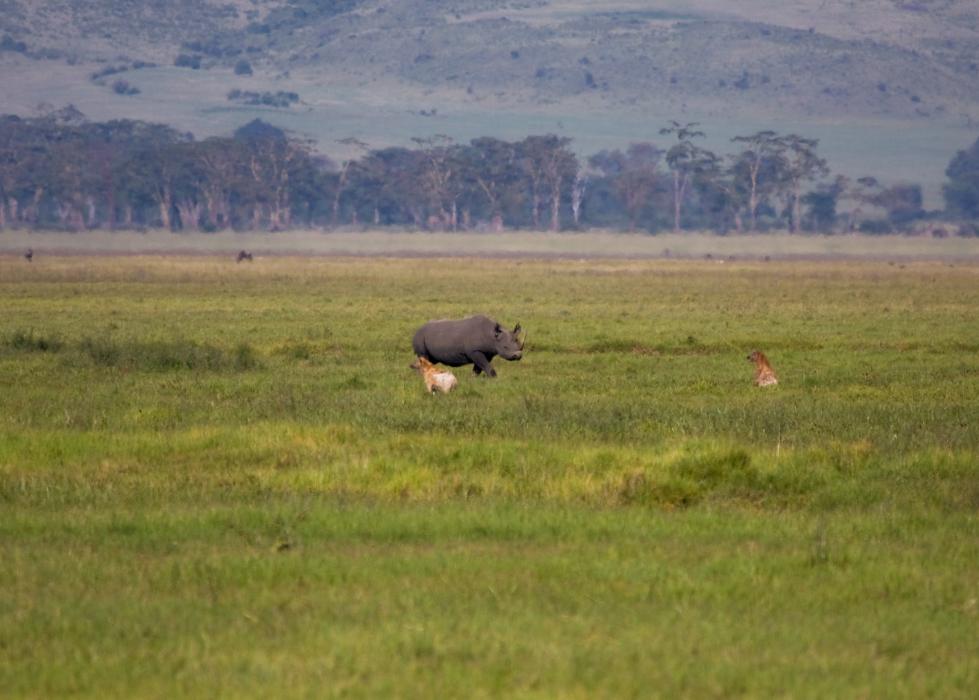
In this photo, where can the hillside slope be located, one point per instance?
(878, 74)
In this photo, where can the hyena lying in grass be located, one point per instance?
(764, 374)
(436, 378)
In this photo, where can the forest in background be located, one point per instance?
(61, 171)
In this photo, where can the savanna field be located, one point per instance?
(222, 479)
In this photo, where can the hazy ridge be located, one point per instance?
(891, 87)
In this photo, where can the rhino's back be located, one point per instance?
(449, 342)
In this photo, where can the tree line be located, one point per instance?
(61, 171)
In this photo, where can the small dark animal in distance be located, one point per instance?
(29, 255)
(243, 255)
(764, 374)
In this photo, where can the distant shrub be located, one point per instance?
(243, 357)
(167, 355)
(121, 87)
(269, 99)
(27, 341)
(9, 44)
(108, 70)
(187, 61)
(243, 67)
(297, 351)
(876, 226)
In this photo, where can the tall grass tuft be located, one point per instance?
(167, 355)
(29, 341)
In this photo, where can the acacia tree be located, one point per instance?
(821, 203)
(15, 166)
(721, 197)
(549, 165)
(221, 164)
(686, 161)
(634, 176)
(440, 180)
(343, 174)
(962, 189)
(800, 164)
(151, 168)
(385, 183)
(493, 171)
(756, 168)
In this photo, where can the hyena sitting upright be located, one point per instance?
(764, 374)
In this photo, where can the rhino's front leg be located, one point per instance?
(481, 364)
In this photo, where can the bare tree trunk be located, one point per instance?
(32, 212)
(211, 208)
(677, 199)
(89, 212)
(556, 208)
(535, 203)
(496, 223)
(62, 211)
(190, 215)
(76, 218)
(166, 206)
(3, 215)
(13, 205)
(341, 182)
(796, 209)
(577, 195)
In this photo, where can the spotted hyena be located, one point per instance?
(436, 378)
(764, 374)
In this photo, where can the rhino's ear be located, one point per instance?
(497, 330)
(516, 329)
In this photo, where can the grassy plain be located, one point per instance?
(224, 479)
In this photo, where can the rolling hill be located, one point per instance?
(891, 87)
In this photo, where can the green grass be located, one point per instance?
(221, 479)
